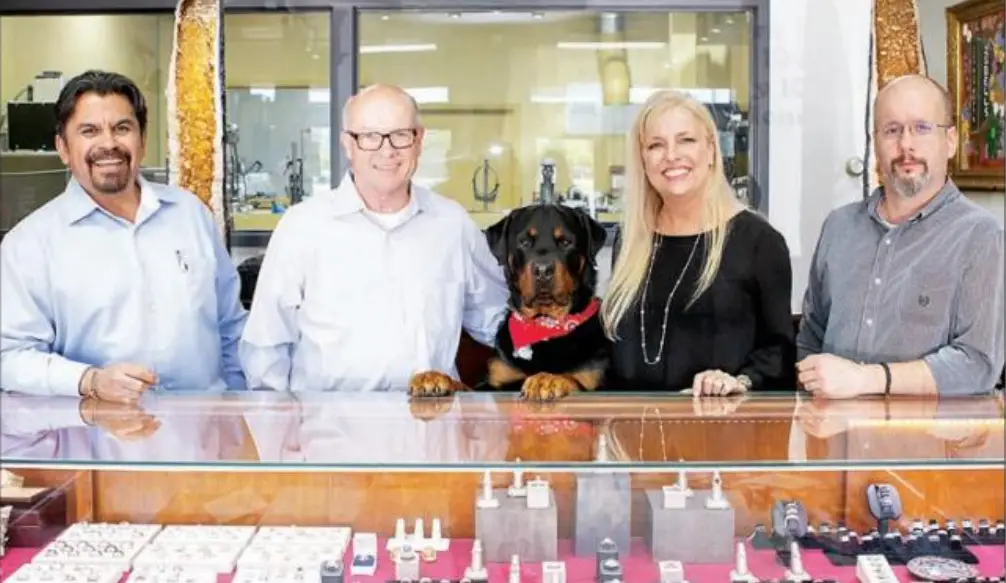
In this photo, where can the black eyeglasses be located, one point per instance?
(372, 141)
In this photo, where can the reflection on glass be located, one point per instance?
(278, 114)
(32, 74)
(543, 101)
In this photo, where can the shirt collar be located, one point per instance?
(944, 196)
(80, 205)
(345, 199)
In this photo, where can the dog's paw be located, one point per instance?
(547, 387)
(432, 384)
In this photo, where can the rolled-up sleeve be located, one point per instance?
(485, 288)
(28, 363)
(973, 359)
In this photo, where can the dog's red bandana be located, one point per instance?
(527, 331)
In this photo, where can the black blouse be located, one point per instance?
(742, 324)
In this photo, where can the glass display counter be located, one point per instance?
(605, 487)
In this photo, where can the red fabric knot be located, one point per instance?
(528, 331)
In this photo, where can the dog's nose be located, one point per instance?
(543, 271)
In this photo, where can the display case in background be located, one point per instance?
(593, 469)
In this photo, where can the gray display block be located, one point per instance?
(603, 510)
(514, 529)
(694, 534)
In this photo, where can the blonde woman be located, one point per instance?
(699, 296)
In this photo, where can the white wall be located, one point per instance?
(818, 105)
(933, 21)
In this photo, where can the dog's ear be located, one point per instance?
(596, 234)
(497, 235)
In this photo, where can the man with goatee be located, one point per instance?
(905, 295)
(117, 285)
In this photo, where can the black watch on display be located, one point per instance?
(885, 505)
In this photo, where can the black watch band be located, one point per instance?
(887, 378)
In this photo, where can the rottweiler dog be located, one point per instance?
(552, 343)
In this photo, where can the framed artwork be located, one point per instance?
(976, 78)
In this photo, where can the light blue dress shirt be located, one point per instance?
(348, 301)
(81, 287)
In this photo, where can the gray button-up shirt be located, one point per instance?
(930, 288)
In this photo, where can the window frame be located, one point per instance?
(344, 51)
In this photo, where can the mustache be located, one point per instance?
(908, 159)
(109, 154)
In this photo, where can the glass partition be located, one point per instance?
(505, 93)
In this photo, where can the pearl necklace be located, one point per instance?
(667, 305)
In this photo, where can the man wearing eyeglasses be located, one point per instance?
(906, 287)
(364, 286)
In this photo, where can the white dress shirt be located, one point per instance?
(81, 287)
(347, 302)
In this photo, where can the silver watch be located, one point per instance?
(745, 382)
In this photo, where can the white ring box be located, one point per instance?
(364, 562)
(537, 492)
(553, 572)
(671, 572)
(219, 557)
(66, 573)
(675, 497)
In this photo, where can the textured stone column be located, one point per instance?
(897, 50)
(195, 104)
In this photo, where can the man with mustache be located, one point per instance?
(374, 281)
(906, 287)
(116, 285)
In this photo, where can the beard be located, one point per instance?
(908, 186)
(110, 180)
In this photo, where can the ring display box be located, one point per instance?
(174, 574)
(179, 533)
(277, 575)
(219, 557)
(66, 573)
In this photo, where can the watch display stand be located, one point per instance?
(511, 528)
(603, 510)
(693, 534)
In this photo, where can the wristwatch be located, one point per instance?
(745, 382)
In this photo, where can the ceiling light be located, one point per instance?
(607, 46)
(371, 49)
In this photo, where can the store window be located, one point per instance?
(278, 113)
(510, 97)
(32, 73)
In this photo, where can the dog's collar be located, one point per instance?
(525, 332)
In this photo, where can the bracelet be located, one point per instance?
(91, 383)
(887, 378)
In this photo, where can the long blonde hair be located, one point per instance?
(642, 204)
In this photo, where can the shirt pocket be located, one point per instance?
(196, 279)
(926, 300)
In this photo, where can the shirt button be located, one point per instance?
(876, 281)
(869, 321)
(887, 241)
